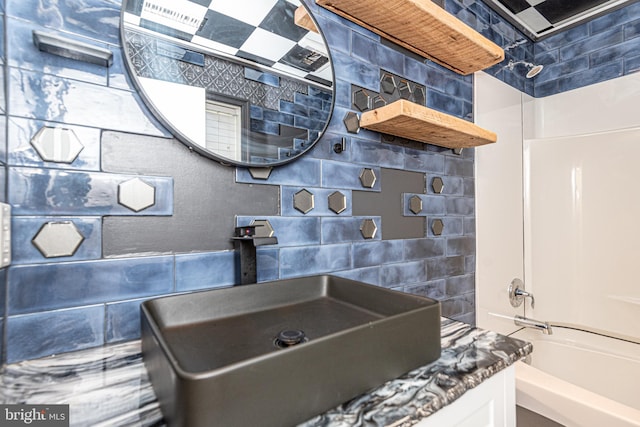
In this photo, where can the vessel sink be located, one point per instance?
(281, 352)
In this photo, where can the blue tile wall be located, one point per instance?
(596, 51)
(51, 305)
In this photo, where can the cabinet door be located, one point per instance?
(491, 404)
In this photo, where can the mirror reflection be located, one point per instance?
(245, 82)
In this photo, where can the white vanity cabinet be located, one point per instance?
(490, 404)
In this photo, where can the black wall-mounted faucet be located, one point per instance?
(246, 241)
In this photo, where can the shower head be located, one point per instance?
(534, 70)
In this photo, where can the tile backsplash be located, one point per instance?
(181, 242)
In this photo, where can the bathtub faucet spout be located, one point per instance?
(544, 327)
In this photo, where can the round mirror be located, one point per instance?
(245, 82)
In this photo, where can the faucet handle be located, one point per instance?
(517, 294)
(524, 294)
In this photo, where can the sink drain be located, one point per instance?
(290, 337)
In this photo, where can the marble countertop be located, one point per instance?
(108, 386)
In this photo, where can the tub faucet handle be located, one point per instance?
(517, 294)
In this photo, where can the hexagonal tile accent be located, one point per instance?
(379, 101)
(405, 89)
(362, 100)
(437, 184)
(351, 122)
(368, 178)
(58, 239)
(55, 144)
(136, 194)
(260, 173)
(419, 96)
(368, 228)
(304, 201)
(388, 83)
(337, 202)
(263, 228)
(415, 204)
(437, 226)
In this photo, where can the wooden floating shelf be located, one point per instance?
(412, 121)
(424, 28)
(302, 19)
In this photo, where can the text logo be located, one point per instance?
(34, 415)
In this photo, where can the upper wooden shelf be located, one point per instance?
(424, 28)
(412, 121)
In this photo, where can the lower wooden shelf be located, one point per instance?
(412, 121)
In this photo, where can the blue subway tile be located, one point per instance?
(308, 101)
(97, 19)
(628, 49)
(256, 112)
(592, 75)
(24, 229)
(22, 153)
(309, 260)
(42, 287)
(364, 48)
(415, 249)
(435, 289)
(458, 167)
(374, 153)
(444, 103)
(632, 29)
(453, 226)
(3, 295)
(463, 245)
(459, 285)
(631, 65)
(263, 126)
(614, 19)
(441, 268)
(424, 161)
(48, 97)
(415, 70)
(562, 39)
(22, 52)
(206, 270)
(52, 192)
(431, 205)
(460, 205)
(392, 60)
(119, 77)
(370, 275)
(338, 36)
(347, 229)
(268, 260)
(374, 253)
(285, 107)
(345, 175)
(122, 321)
(602, 40)
(67, 330)
(290, 231)
(366, 75)
(3, 144)
(402, 274)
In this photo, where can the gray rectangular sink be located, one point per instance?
(279, 353)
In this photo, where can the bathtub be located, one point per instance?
(580, 379)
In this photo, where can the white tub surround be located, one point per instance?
(109, 386)
(581, 379)
(571, 235)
